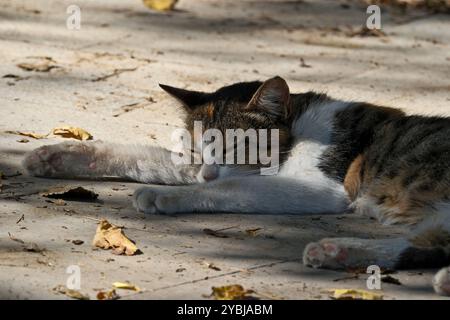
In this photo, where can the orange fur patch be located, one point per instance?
(210, 110)
(352, 181)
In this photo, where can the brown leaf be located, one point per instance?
(253, 232)
(365, 32)
(38, 64)
(72, 132)
(107, 295)
(77, 242)
(109, 236)
(27, 246)
(75, 294)
(211, 265)
(214, 233)
(70, 193)
(28, 134)
(232, 292)
(391, 280)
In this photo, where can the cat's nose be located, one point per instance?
(210, 172)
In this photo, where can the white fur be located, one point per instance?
(300, 186)
(316, 123)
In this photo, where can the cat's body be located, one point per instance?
(337, 156)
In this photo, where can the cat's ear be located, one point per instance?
(189, 99)
(272, 97)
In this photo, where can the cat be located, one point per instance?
(336, 156)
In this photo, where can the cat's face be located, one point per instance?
(238, 129)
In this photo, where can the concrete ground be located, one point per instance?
(113, 65)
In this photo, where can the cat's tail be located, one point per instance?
(441, 282)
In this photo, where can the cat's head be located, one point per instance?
(238, 112)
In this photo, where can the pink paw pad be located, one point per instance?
(333, 250)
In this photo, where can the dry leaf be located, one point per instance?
(232, 292)
(28, 134)
(38, 64)
(160, 5)
(107, 295)
(72, 132)
(70, 193)
(109, 236)
(71, 293)
(27, 246)
(391, 280)
(126, 286)
(253, 232)
(355, 294)
(214, 233)
(59, 202)
(211, 266)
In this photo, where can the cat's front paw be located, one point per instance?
(157, 200)
(59, 160)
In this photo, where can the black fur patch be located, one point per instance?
(354, 131)
(414, 258)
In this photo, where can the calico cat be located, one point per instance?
(336, 156)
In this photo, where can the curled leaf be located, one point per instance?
(107, 295)
(72, 132)
(253, 232)
(75, 294)
(38, 64)
(214, 233)
(160, 5)
(70, 193)
(126, 286)
(355, 294)
(28, 134)
(232, 292)
(109, 236)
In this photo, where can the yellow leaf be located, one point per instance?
(107, 295)
(160, 5)
(355, 294)
(72, 132)
(232, 292)
(28, 134)
(125, 286)
(109, 236)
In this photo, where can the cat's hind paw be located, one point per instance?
(325, 254)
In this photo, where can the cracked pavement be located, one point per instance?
(104, 78)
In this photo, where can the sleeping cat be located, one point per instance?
(336, 156)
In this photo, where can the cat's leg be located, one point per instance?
(257, 194)
(98, 159)
(348, 253)
(427, 249)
